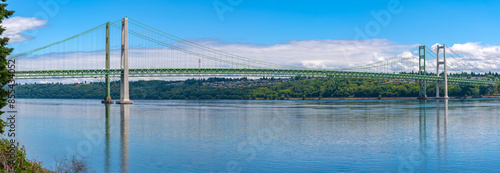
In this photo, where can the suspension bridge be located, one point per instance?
(128, 48)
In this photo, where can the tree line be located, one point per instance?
(300, 87)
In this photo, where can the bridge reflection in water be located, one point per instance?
(440, 148)
(432, 140)
(124, 134)
(107, 149)
(124, 115)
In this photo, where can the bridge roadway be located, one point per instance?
(229, 72)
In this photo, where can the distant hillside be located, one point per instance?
(221, 88)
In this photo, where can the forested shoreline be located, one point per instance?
(223, 88)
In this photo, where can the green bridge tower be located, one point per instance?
(107, 97)
(421, 71)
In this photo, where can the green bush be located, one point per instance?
(13, 159)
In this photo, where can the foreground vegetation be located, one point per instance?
(10, 162)
(205, 89)
(18, 161)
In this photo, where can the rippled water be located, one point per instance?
(266, 136)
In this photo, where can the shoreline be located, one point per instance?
(312, 98)
(385, 98)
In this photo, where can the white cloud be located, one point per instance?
(316, 54)
(322, 54)
(473, 57)
(16, 26)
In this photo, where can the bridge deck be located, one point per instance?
(92, 73)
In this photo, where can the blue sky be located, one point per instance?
(314, 34)
(270, 22)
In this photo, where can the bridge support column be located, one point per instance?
(124, 88)
(445, 73)
(107, 97)
(421, 71)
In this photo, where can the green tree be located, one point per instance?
(4, 52)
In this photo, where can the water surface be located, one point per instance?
(265, 136)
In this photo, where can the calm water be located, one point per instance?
(266, 136)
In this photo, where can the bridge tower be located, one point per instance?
(445, 72)
(124, 88)
(421, 71)
(107, 97)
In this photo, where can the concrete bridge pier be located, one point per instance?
(445, 83)
(124, 88)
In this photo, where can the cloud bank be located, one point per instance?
(483, 57)
(314, 54)
(318, 54)
(16, 26)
